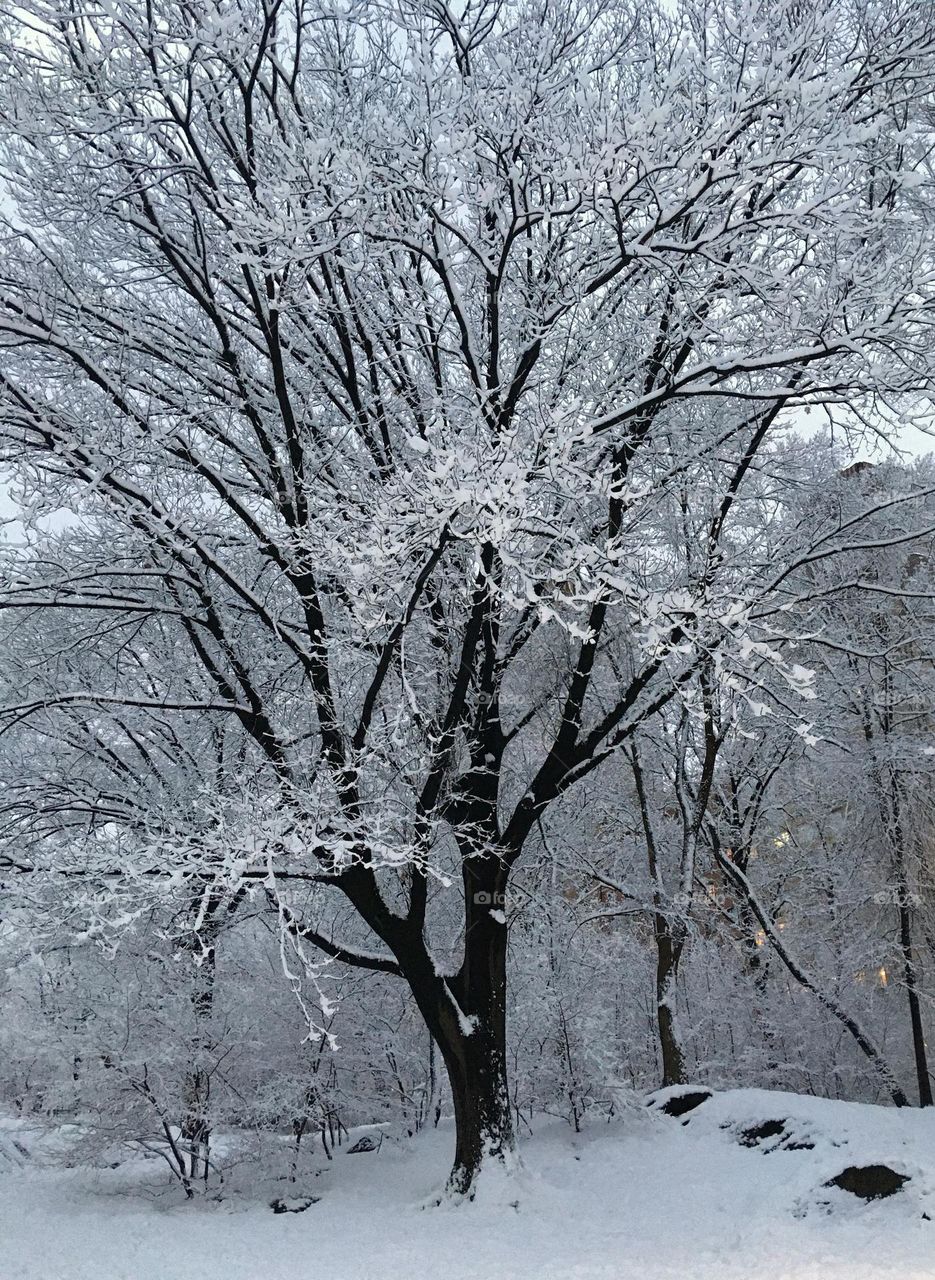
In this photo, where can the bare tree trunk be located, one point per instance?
(433, 1108)
(911, 983)
(467, 1017)
(670, 931)
(195, 1125)
(465, 1012)
(890, 801)
(907, 950)
(668, 953)
(473, 1048)
(201, 948)
(483, 1120)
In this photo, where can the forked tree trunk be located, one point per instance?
(466, 1014)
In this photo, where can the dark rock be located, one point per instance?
(293, 1204)
(787, 1140)
(757, 1133)
(366, 1143)
(869, 1181)
(679, 1104)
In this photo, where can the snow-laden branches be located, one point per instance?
(405, 377)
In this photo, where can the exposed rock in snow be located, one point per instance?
(366, 1143)
(869, 1181)
(678, 1100)
(293, 1204)
(754, 1134)
(784, 1132)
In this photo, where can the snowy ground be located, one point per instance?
(647, 1198)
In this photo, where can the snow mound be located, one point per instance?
(825, 1146)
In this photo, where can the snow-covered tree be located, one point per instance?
(373, 352)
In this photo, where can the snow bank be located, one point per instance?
(652, 1198)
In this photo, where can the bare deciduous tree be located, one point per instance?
(380, 345)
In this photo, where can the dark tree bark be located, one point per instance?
(668, 952)
(911, 983)
(466, 1014)
(906, 947)
(673, 1060)
(473, 1047)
